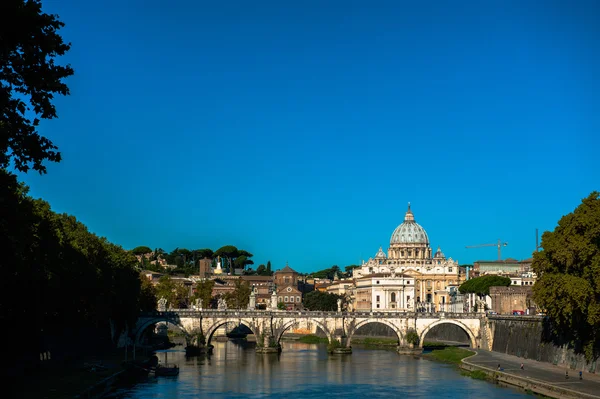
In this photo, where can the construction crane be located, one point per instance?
(499, 244)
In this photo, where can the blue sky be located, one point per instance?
(300, 130)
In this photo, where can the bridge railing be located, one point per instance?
(304, 313)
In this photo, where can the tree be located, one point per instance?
(261, 270)
(235, 257)
(269, 271)
(204, 291)
(481, 285)
(568, 269)
(349, 269)
(148, 300)
(325, 301)
(204, 253)
(29, 46)
(176, 293)
(240, 297)
(143, 250)
(79, 286)
(326, 273)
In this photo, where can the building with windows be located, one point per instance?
(410, 276)
(288, 293)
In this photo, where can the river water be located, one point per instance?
(308, 371)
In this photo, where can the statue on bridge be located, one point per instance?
(198, 303)
(221, 304)
(162, 304)
(252, 302)
(339, 303)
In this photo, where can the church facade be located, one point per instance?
(410, 276)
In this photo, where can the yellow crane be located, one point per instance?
(499, 244)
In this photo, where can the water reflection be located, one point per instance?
(308, 371)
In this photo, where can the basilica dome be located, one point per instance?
(409, 232)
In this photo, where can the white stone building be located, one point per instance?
(409, 258)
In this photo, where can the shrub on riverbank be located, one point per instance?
(451, 354)
(375, 341)
(437, 345)
(312, 339)
(476, 374)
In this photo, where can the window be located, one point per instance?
(402, 253)
(377, 306)
(408, 282)
(377, 300)
(408, 298)
(428, 283)
(291, 299)
(280, 299)
(377, 281)
(393, 297)
(416, 252)
(449, 270)
(298, 299)
(286, 299)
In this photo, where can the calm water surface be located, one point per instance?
(308, 371)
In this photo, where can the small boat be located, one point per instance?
(166, 370)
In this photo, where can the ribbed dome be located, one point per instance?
(409, 232)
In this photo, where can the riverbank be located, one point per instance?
(73, 379)
(535, 377)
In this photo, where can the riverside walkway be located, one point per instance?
(537, 374)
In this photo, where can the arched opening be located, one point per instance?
(154, 332)
(234, 323)
(310, 327)
(447, 332)
(380, 331)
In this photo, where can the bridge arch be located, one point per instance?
(372, 321)
(290, 323)
(213, 328)
(155, 320)
(448, 321)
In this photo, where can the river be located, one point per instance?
(308, 371)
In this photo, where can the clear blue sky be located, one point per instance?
(300, 130)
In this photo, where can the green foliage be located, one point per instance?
(312, 339)
(204, 291)
(29, 79)
(369, 341)
(240, 297)
(326, 273)
(176, 293)
(56, 276)
(481, 285)
(324, 301)
(236, 257)
(201, 339)
(142, 250)
(450, 354)
(280, 305)
(568, 269)
(148, 300)
(204, 253)
(412, 337)
(333, 345)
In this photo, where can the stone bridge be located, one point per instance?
(269, 326)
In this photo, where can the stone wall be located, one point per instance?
(522, 336)
(507, 299)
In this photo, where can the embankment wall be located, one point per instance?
(523, 336)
